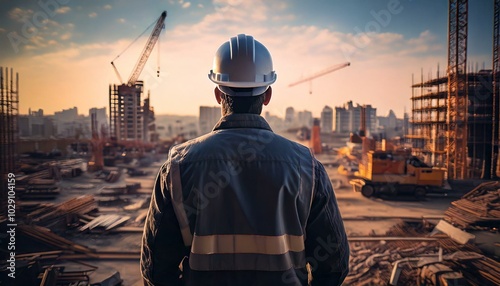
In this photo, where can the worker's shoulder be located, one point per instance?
(184, 147)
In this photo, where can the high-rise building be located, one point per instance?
(326, 120)
(126, 116)
(35, 124)
(209, 116)
(101, 117)
(348, 118)
(289, 117)
(305, 118)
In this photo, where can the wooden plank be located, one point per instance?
(456, 234)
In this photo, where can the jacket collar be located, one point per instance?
(242, 120)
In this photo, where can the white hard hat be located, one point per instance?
(242, 63)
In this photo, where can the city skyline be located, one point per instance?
(62, 50)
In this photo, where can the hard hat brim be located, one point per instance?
(222, 79)
(247, 92)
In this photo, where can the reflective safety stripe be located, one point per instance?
(178, 203)
(243, 243)
(247, 261)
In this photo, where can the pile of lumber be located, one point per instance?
(105, 223)
(49, 215)
(478, 209)
(47, 237)
(38, 192)
(113, 176)
(69, 168)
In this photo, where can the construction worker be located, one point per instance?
(242, 205)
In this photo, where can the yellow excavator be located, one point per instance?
(396, 172)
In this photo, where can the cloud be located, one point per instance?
(63, 10)
(19, 14)
(200, 5)
(121, 20)
(297, 50)
(107, 7)
(186, 5)
(65, 36)
(93, 15)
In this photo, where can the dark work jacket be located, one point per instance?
(243, 206)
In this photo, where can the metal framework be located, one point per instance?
(496, 86)
(430, 125)
(126, 112)
(429, 115)
(456, 149)
(9, 110)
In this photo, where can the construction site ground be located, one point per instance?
(363, 217)
(352, 206)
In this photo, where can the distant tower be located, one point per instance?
(315, 143)
(289, 117)
(327, 120)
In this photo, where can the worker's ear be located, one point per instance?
(267, 95)
(218, 94)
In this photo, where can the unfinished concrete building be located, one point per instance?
(125, 112)
(430, 120)
(149, 128)
(455, 116)
(9, 110)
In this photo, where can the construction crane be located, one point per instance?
(318, 74)
(139, 66)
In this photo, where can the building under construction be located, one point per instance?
(9, 110)
(130, 117)
(130, 120)
(430, 119)
(455, 116)
(125, 112)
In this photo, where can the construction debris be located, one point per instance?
(372, 262)
(445, 256)
(50, 215)
(105, 223)
(478, 209)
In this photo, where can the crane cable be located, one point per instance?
(133, 41)
(158, 57)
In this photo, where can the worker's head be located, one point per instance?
(243, 72)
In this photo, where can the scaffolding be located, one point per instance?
(9, 110)
(431, 128)
(126, 112)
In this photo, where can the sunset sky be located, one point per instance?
(62, 49)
